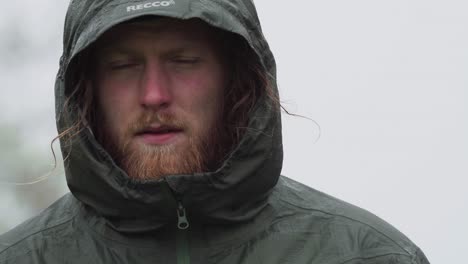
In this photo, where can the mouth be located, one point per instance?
(158, 135)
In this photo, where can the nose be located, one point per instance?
(155, 87)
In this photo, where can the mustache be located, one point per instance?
(149, 119)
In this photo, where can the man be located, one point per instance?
(169, 120)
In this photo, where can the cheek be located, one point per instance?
(203, 91)
(117, 88)
(114, 103)
(202, 101)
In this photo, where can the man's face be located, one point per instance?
(159, 88)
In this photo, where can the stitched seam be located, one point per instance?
(373, 257)
(352, 219)
(35, 233)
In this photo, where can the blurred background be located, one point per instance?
(385, 82)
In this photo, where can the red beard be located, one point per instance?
(200, 153)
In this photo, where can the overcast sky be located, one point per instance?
(385, 82)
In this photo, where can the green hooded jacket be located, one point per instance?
(244, 212)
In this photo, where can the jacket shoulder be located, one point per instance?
(31, 234)
(352, 231)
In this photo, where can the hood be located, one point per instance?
(235, 192)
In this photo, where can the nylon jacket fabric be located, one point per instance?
(244, 212)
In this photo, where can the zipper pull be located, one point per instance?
(182, 217)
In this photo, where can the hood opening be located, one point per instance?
(244, 176)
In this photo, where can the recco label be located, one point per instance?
(155, 4)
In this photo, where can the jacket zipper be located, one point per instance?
(183, 255)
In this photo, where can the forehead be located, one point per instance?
(159, 28)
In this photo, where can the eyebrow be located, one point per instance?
(123, 50)
(120, 49)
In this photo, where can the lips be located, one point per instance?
(158, 134)
(159, 130)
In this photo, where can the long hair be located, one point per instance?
(249, 81)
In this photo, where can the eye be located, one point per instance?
(186, 60)
(115, 66)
